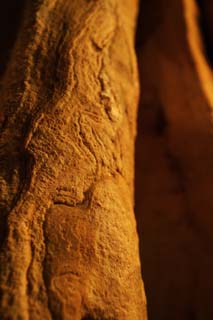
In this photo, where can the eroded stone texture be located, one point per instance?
(174, 201)
(68, 106)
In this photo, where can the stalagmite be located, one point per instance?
(69, 247)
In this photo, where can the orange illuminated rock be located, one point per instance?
(69, 247)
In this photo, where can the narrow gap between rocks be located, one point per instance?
(10, 18)
(206, 27)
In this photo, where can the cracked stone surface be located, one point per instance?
(69, 246)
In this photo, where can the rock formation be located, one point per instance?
(69, 94)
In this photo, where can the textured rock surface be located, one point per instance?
(69, 247)
(174, 202)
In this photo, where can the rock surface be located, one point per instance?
(174, 175)
(69, 247)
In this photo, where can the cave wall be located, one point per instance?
(69, 97)
(174, 159)
(173, 177)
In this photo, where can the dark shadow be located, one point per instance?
(10, 18)
(206, 26)
(145, 27)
